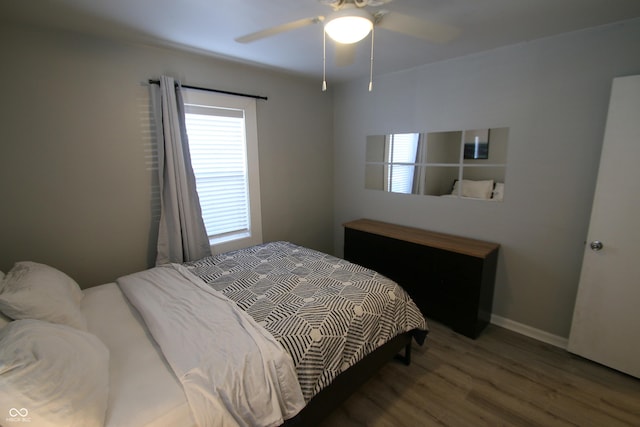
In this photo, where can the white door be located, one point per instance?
(606, 319)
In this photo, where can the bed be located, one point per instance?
(115, 366)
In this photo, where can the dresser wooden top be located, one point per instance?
(462, 245)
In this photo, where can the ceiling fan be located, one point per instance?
(430, 31)
(351, 21)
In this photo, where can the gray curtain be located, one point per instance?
(181, 233)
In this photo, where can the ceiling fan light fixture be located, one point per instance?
(348, 25)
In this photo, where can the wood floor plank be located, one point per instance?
(500, 379)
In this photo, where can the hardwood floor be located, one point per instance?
(500, 379)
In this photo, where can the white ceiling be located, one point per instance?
(210, 27)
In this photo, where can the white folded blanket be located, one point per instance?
(233, 371)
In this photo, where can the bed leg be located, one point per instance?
(406, 359)
(407, 354)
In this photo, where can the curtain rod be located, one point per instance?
(246, 95)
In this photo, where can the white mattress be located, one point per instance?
(143, 391)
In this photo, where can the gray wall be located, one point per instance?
(75, 176)
(76, 185)
(553, 95)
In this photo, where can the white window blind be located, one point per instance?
(402, 156)
(218, 155)
(223, 142)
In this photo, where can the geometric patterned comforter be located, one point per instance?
(326, 312)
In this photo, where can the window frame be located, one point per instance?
(196, 97)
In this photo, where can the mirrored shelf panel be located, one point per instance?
(467, 164)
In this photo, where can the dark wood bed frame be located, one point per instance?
(332, 396)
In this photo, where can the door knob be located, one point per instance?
(596, 245)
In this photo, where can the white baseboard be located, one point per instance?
(530, 332)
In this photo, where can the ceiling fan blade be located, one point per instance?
(427, 30)
(279, 29)
(345, 54)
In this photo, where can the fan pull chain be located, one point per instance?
(324, 60)
(371, 68)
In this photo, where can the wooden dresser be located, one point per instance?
(450, 278)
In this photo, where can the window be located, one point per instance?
(224, 154)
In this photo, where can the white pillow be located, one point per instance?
(52, 375)
(37, 291)
(476, 189)
(498, 191)
(4, 320)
